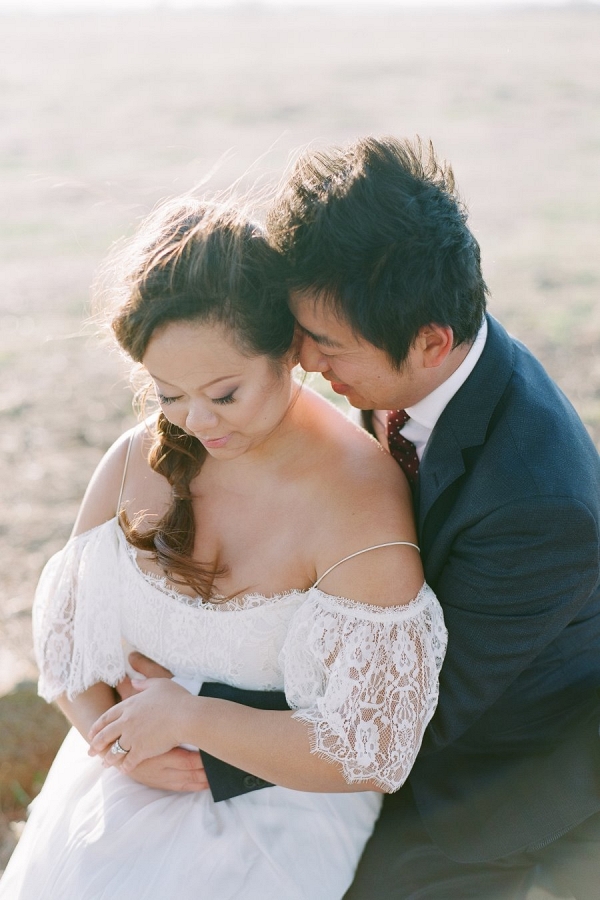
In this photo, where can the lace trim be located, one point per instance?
(254, 600)
(217, 604)
(351, 776)
(366, 685)
(369, 610)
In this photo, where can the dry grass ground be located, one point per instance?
(100, 116)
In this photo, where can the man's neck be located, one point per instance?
(425, 413)
(428, 410)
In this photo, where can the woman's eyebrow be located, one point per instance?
(202, 387)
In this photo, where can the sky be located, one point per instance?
(51, 6)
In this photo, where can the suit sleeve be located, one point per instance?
(224, 780)
(511, 585)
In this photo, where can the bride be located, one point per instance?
(248, 534)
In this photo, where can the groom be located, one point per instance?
(387, 289)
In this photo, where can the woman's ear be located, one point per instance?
(292, 356)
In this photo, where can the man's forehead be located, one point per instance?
(319, 321)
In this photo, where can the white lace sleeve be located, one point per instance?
(365, 679)
(76, 626)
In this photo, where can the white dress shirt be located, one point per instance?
(425, 413)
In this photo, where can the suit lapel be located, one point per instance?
(465, 421)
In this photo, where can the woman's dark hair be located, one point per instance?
(377, 232)
(201, 263)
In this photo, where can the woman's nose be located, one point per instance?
(200, 419)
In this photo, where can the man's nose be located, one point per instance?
(311, 358)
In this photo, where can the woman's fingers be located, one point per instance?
(116, 748)
(145, 725)
(105, 738)
(105, 719)
(114, 759)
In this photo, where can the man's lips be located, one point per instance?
(339, 387)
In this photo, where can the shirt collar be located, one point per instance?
(428, 410)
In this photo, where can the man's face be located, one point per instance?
(355, 368)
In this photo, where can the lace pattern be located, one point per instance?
(76, 632)
(366, 681)
(94, 604)
(162, 584)
(364, 678)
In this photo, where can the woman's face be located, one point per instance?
(230, 402)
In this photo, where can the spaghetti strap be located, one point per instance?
(358, 553)
(130, 442)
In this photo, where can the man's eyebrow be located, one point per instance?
(320, 338)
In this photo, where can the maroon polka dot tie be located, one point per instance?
(401, 448)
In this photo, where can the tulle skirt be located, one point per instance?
(94, 834)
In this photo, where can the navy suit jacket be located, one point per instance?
(508, 511)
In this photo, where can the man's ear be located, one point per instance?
(435, 343)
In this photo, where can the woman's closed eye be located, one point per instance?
(228, 398)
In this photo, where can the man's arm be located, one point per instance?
(511, 585)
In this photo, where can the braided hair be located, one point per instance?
(202, 263)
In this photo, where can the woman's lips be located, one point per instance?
(215, 443)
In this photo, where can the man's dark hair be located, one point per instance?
(378, 232)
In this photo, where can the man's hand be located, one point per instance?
(144, 666)
(177, 770)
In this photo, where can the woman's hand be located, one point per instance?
(146, 725)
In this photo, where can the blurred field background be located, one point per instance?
(103, 115)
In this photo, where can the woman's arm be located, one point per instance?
(178, 770)
(98, 506)
(83, 710)
(270, 744)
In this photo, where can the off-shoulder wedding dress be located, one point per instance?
(364, 678)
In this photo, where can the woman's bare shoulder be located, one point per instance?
(364, 501)
(352, 461)
(125, 462)
(367, 493)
